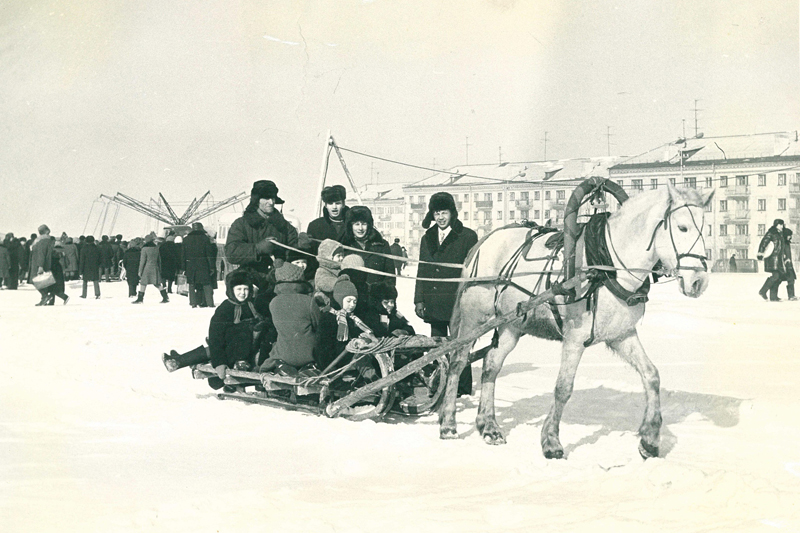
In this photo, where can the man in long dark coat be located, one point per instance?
(331, 225)
(170, 257)
(447, 241)
(41, 259)
(199, 266)
(779, 262)
(89, 266)
(106, 257)
(250, 243)
(14, 253)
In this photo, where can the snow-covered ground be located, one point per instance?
(95, 435)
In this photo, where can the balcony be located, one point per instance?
(558, 205)
(486, 204)
(419, 207)
(384, 218)
(524, 204)
(738, 190)
(739, 214)
(794, 188)
(736, 240)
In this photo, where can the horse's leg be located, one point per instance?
(485, 421)
(475, 306)
(630, 349)
(571, 352)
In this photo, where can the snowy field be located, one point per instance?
(96, 436)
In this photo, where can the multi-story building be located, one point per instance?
(756, 178)
(388, 209)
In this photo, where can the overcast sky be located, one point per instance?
(181, 97)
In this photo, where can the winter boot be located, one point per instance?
(773, 293)
(174, 360)
(764, 288)
(139, 298)
(164, 297)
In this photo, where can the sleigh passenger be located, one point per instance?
(382, 316)
(330, 255)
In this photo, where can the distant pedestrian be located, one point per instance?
(15, 252)
(779, 262)
(199, 266)
(58, 288)
(170, 257)
(106, 257)
(5, 263)
(70, 259)
(89, 266)
(130, 260)
(150, 269)
(398, 251)
(732, 264)
(41, 258)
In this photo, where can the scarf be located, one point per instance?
(342, 331)
(237, 311)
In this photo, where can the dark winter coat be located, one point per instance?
(398, 251)
(58, 274)
(230, 341)
(42, 255)
(439, 297)
(250, 229)
(24, 257)
(106, 254)
(781, 258)
(70, 257)
(150, 265)
(296, 317)
(15, 251)
(130, 260)
(383, 324)
(323, 228)
(328, 346)
(375, 243)
(198, 265)
(5, 262)
(89, 262)
(170, 257)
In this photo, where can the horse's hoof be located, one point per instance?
(448, 433)
(494, 438)
(553, 454)
(647, 451)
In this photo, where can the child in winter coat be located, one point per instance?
(382, 317)
(337, 327)
(295, 317)
(233, 331)
(330, 255)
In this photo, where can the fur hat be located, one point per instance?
(343, 288)
(237, 277)
(383, 291)
(197, 226)
(264, 189)
(334, 193)
(43, 229)
(90, 239)
(352, 261)
(778, 221)
(289, 272)
(359, 213)
(328, 248)
(439, 202)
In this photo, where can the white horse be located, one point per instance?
(664, 225)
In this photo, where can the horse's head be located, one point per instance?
(678, 239)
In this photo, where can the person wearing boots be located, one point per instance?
(331, 224)
(199, 266)
(150, 269)
(89, 266)
(41, 258)
(776, 262)
(106, 258)
(59, 287)
(447, 241)
(130, 260)
(251, 236)
(170, 256)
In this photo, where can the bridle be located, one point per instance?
(678, 256)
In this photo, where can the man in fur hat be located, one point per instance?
(447, 241)
(331, 225)
(251, 237)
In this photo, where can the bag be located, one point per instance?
(43, 280)
(181, 285)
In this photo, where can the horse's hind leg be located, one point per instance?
(485, 421)
(630, 349)
(571, 353)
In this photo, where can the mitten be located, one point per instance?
(265, 246)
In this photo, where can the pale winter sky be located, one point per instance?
(181, 97)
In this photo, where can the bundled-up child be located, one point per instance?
(329, 254)
(338, 326)
(382, 316)
(295, 317)
(233, 331)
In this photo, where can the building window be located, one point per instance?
(781, 179)
(621, 183)
(797, 177)
(524, 214)
(741, 181)
(653, 183)
(723, 181)
(535, 195)
(535, 214)
(637, 185)
(546, 195)
(762, 204)
(709, 183)
(487, 197)
(561, 195)
(511, 196)
(499, 215)
(511, 215)
(476, 197)
(421, 200)
(723, 205)
(742, 205)
(690, 183)
(499, 197)
(741, 229)
(707, 207)
(465, 216)
(672, 181)
(710, 230)
(743, 254)
(762, 180)
(781, 204)
(523, 195)
(723, 230)
(475, 216)
(546, 214)
(762, 230)
(708, 254)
